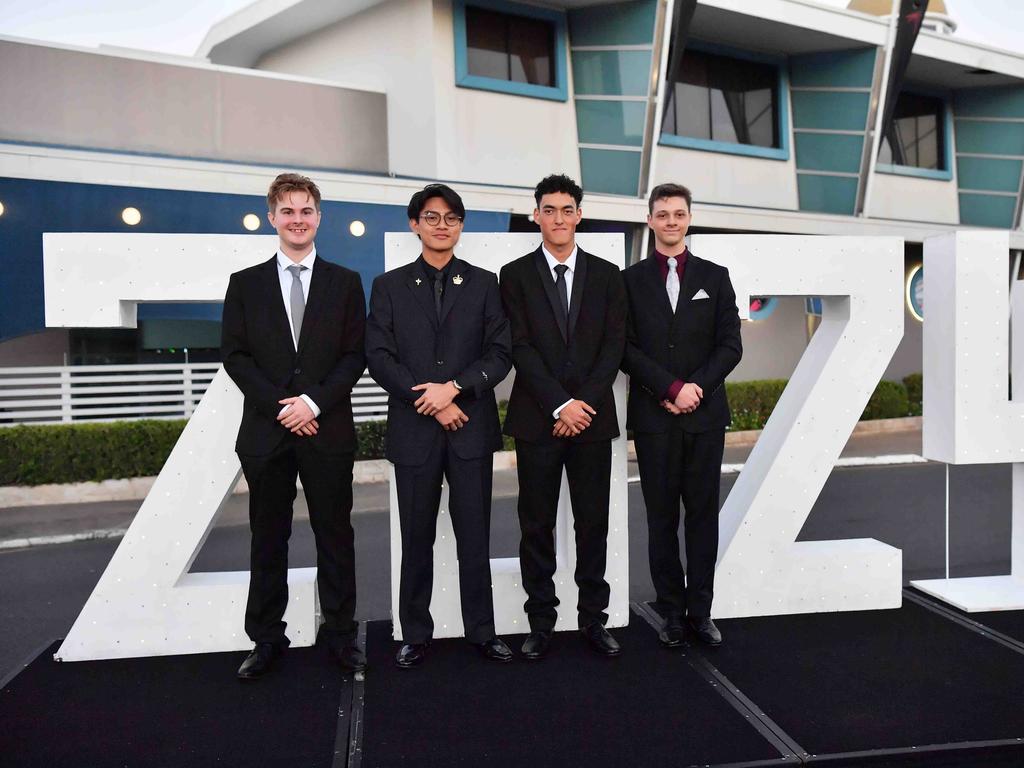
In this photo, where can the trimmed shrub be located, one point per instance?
(915, 393)
(751, 402)
(888, 401)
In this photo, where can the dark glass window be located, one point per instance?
(724, 99)
(508, 47)
(916, 137)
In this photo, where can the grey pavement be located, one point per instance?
(79, 519)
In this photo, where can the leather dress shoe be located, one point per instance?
(705, 630)
(259, 661)
(672, 633)
(350, 656)
(494, 649)
(536, 644)
(601, 640)
(411, 654)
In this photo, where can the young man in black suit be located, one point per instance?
(293, 343)
(438, 341)
(568, 314)
(683, 340)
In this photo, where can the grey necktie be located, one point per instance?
(672, 283)
(563, 291)
(297, 301)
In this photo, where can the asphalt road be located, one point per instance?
(43, 588)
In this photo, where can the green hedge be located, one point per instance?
(69, 453)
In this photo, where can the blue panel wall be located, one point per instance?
(611, 87)
(989, 155)
(831, 93)
(34, 207)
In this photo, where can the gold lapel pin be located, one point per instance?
(457, 279)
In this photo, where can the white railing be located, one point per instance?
(55, 394)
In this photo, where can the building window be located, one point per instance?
(721, 100)
(916, 138)
(518, 49)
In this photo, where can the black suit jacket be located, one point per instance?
(699, 343)
(406, 346)
(260, 357)
(554, 363)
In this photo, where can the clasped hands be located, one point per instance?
(297, 417)
(437, 401)
(686, 401)
(574, 417)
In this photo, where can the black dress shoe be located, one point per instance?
(536, 645)
(349, 656)
(494, 649)
(705, 630)
(411, 654)
(601, 640)
(259, 661)
(672, 633)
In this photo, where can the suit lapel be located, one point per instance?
(656, 286)
(421, 290)
(458, 283)
(548, 282)
(319, 289)
(276, 312)
(579, 282)
(692, 278)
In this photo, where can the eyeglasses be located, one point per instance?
(433, 218)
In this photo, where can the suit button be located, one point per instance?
(670, 346)
(298, 371)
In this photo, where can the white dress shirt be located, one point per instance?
(571, 264)
(305, 276)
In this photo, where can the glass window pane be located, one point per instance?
(486, 43)
(692, 111)
(722, 128)
(916, 136)
(531, 45)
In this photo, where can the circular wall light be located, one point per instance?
(357, 228)
(915, 292)
(1, 209)
(131, 216)
(251, 222)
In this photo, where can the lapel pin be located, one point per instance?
(418, 281)
(457, 279)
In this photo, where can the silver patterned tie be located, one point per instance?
(672, 284)
(297, 300)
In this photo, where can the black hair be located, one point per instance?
(558, 182)
(664, 191)
(446, 193)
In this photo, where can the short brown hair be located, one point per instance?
(663, 191)
(291, 182)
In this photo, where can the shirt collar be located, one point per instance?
(663, 259)
(283, 262)
(552, 261)
(431, 271)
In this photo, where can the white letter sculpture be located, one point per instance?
(968, 416)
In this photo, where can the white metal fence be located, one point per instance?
(55, 394)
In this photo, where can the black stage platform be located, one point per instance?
(920, 686)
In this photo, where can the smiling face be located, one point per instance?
(296, 219)
(669, 220)
(439, 238)
(558, 215)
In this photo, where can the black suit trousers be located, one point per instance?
(469, 504)
(682, 466)
(588, 469)
(327, 485)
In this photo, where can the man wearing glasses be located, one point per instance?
(438, 341)
(567, 309)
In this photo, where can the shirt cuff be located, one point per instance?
(312, 406)
(558, 410)
(673, 391)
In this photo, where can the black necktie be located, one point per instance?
(563, 291)
(438, 291)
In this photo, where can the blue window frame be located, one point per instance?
(919, 141)
(510, 48)
(729, 101)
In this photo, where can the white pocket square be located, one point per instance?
(701, 294)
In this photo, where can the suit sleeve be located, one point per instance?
(530, 367)
(728, 347)
(484, 374)
(351, 361)
(382, 347)
(638, 365)
(236, 354)
(597, 386)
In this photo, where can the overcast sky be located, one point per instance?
(180, 27)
